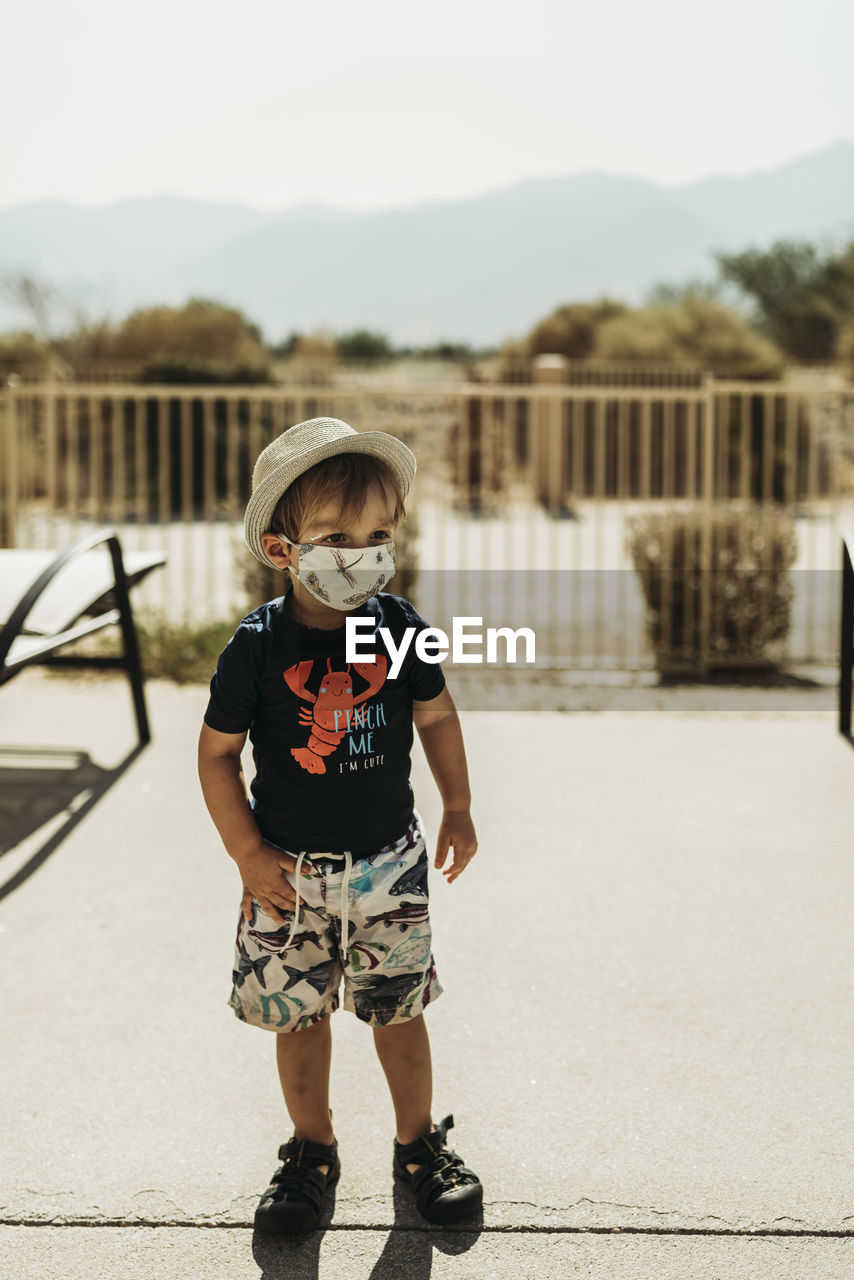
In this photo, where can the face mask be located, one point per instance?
(343, 577)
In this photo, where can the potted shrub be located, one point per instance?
(740, 555)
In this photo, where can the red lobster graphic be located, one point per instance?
(331, 715)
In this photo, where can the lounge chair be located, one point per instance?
(50, 599)
(846, 640)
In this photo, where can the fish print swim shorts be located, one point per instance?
(361, 918)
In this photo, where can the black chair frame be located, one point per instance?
(109, 609)
(846, 641)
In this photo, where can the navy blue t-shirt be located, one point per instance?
(331, 740)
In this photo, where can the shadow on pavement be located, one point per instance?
(295, 1257)
(36, 786)
(407, 1251)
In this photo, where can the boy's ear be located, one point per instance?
(279, 552)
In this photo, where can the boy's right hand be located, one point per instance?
(261, 873)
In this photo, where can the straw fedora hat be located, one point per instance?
(299, 448)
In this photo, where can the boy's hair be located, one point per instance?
(346, 478)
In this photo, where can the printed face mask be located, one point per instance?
(343, 577)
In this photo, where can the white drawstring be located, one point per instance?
(345, 892)
(345, 906)
(345, 902)
(295, 920)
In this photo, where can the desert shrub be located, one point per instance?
(845, 351)
(751, 550)
(476, 454)
(183, 652)
(697, 329)
(202, 373)
(23, 353)
(458, 352)
(200, 342)
(310, 359)
(364, 344)
(157, 455)
(572, 330)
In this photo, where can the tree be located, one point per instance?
(36, 297)
(282, 350)
(845, 350)
(364, 344)
(837, 284)
(800, 295)
(675, 294)
(449, 350)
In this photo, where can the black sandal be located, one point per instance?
(445, 1190)
(292, 1203)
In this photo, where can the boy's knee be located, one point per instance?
(303, 1031)
(412, 1028)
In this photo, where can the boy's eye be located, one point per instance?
(332, 539)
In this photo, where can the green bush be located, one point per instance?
(696, 329)
(201, 342)
(23, 353)
(751, 549)
(680, 326)
(183, 652)
(364, 344)
(572, 330)
(202, 373)
(477, 457)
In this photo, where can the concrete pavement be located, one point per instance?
(646, 1035)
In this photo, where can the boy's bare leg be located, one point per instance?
(303, 1059)
(404, 1053)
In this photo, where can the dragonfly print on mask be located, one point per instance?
(345, 577)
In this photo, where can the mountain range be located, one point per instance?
(476, 270)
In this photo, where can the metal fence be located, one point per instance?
(522, 508)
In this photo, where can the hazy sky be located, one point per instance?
(374, 103)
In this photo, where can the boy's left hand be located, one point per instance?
(456, 831)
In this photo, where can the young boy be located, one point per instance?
(330, 850)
